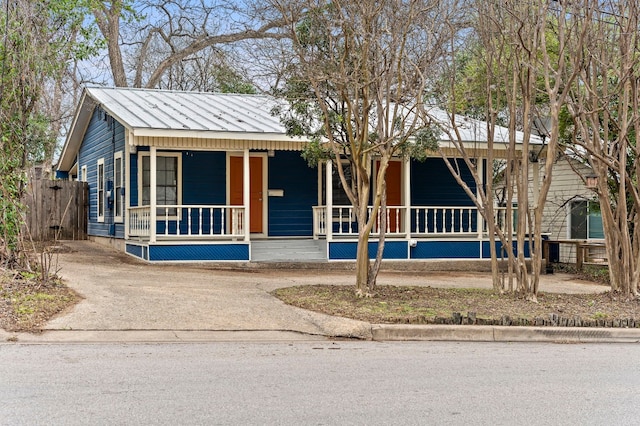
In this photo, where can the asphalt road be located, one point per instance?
(321, 383)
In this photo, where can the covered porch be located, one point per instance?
(236, 230)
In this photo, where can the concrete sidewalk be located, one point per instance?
(127, 300)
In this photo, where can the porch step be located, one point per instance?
(288, 250)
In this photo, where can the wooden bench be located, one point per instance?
(584, 252)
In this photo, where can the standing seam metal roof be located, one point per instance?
(161, 112)
(200, 111)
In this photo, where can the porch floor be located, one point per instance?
(289, 250)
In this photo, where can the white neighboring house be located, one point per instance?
(571, 214)
(571, 211)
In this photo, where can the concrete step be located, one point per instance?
(288, 250)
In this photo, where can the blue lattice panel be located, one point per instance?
(486, 249)
(347, 250)
(199, 252)
(135, 250)
(446, 250)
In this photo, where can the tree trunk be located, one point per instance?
(362, 266)
(375, 268)
(108, 20)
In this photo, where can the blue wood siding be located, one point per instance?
(204, 177)
(433, 185)
(103, 138)
(292, 214)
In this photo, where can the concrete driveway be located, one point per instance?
(121, 293)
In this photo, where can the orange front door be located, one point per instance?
(394, 194)
(236, 176)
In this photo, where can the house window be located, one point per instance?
(168, 175)
(100, 192)
(585, 221)
(118, 198)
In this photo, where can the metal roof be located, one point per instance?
(473, 130)
(199, 111)
(215, 116)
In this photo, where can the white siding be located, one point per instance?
(566, 186)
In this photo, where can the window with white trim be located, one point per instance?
(168, 181)
(118, 198)
(100, 193)
(585, 221)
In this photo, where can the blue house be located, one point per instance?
(183, 176)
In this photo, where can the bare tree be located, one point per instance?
(160, 35)
(355, 84)
(604, 108)
(521, 69)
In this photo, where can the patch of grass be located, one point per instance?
(392, 304)
(26, 304)
(596, 273)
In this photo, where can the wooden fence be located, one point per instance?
(57, 209)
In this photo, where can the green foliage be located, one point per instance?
(476, 77)
(10, 206)
(40, 39)
(39, 140)
(316, 152)
(424, 144)
(229, 81)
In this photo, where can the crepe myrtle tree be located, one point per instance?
(355, 82)
(521, 65)
(605, 118)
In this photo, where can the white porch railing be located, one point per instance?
(501, 218)
(425, 221)
(444, 220)
(344, 222)
(139, 220)
(188, 220)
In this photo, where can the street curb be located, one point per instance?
(379, 332)
(476, 333)
(155, 336)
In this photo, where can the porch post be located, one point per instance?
(126, 161)
(246, 194)
(152, 193)
(480, 221)
(407, 196)
(320, 186)
(329, 203)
